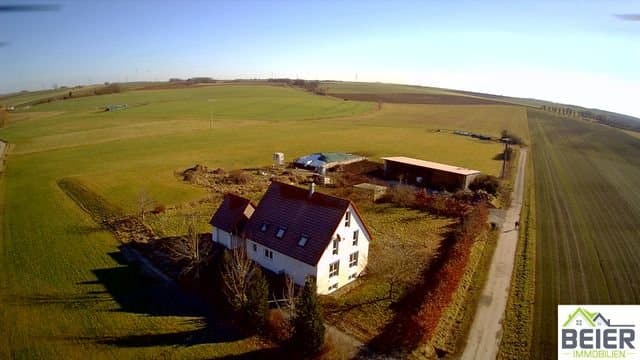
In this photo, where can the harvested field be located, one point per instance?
(587, 197)
(411, 98)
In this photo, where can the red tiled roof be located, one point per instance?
(231, 216)
(316, 216)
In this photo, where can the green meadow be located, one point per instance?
(64, 291)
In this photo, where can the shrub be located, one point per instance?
(515, 139)
(277, 327)
(257, 307)
(108, 89)
(239, 177)
(487, 183)
(402, 195)
(308, 324)
(159, 209)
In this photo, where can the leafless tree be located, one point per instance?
(236, 274)
(289, 293)
(188, 250)
(400, 265)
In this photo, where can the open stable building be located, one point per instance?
(429, 174)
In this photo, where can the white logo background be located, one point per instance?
(615, 315)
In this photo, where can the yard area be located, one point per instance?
(63, 292)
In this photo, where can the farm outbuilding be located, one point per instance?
(321, 162)
(429, 174)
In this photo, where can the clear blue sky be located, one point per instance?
(567, 51)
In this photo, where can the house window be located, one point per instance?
(303, 240)
(356, 234)
(347, 219)
(280, 232)
(255, 247)
(268, 253)
(333, 287)
(264, 227)
(334, 269)
(353, 259)
(353, 276)
(579, 322)
(336, 243)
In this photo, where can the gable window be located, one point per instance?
(268, 254)
(356, 234)
(579, 322)
(280, 232)
(347, 219)
(264, 227)
(353, 259)
(334, 269)
(255, 247)
(336, 243)
(303, 240)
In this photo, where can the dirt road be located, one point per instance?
(486, 330)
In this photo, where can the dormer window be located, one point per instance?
(347, 219)
(280, 232)
(303, 240)
(264, 227)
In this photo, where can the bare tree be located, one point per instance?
(236, 276)
(187, 249)
(399, 267)
(289, 293)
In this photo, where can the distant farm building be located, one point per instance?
(429, 174)
(321, 162)
(298, 232)
(115, 107)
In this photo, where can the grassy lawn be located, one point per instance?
(65, 293)
(587, 198)
(363, 308)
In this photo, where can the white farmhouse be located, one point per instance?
(229, 220)
(302, 232)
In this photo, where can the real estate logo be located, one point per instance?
(598, 331)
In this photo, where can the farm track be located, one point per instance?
(485, 333)
(587, 211)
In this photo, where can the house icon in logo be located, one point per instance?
(583, 318)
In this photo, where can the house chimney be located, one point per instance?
(312, 188)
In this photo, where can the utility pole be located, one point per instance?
(505, 154)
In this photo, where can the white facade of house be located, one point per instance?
(279, 262)
(348, 270)
(225, 238)
(325, 282)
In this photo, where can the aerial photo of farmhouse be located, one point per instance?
(319, 180)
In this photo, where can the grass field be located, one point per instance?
(587, 210)
(64, 291)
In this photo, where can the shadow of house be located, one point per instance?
(137, 293)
